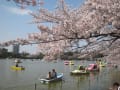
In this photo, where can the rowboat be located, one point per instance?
(93, 67)
(71, 62)
(102, 64)
(17, 61)
(79, 72)
(17, 68)
(68, 62)
(45, 80)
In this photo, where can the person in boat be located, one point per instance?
(81, 67)
(54, 73)
(49, 76)
(116, 86)
(16, 64)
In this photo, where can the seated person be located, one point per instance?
(81, 68)
(49, 76)
(115, 86)
(16, 65)
(54, 74)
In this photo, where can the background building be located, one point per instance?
(16, 49)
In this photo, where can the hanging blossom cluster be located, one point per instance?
(25, 3)
(17, 41)
(107, 26)
(97, 22)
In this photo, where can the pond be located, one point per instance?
(34, 69)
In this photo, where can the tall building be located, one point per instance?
(16, 49)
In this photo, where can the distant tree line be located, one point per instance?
(5, 54)
(64, 56)
(73, 56)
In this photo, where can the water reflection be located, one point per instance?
(55, 86)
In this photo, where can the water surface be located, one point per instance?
(28, 79)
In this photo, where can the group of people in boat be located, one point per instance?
(52, 74)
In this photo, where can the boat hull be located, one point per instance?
(68, 62)
(93, 67)
(79, 72)
(17, 68)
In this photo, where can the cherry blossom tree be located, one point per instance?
(96, 23)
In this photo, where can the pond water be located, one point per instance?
(28, 78)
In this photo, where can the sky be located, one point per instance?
(15, 22)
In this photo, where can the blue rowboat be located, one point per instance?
(45, 80)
